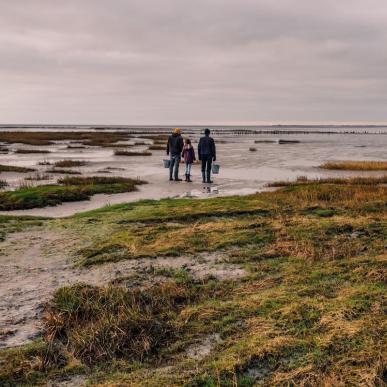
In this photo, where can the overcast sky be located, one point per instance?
(193, 61)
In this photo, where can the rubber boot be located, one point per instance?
(186, 177)
(204, 177)
(189, 179)
(209, 181)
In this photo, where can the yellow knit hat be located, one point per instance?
(177, 131)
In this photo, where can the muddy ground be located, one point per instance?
(37, 262)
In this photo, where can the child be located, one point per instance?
(188, 155)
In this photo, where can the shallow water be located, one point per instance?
(242, 171)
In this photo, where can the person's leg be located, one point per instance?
(209, 165)
(177, 164)
(189, 167)
(204, 168)
(172, 161)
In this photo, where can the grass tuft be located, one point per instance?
(102, 324)
(356, 165)
(69, 163)
(27, 151)
(132, 153)
(12, 168)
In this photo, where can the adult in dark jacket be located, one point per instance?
(207, 154)
(174, 148)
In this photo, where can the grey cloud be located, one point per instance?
(135, 61)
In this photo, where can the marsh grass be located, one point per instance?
(102, 324)
(70, 189)
(132, 153)
(9, 224)
(49, 138)
(12, 168)
(356, 165)
(38, 176)
(157, 147)
(69, 163)
(309, 312)
(27, 151)
(374, 181)
(63, 171)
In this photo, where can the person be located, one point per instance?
(188, 155)
(207, 154)
(174, 148)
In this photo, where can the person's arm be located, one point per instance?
(168, 146)
(193, 154)
(213, 150)
(181, 144)
(199, 149)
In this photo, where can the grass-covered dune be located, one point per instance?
(356, 165)
(308, 312)
(68, 189)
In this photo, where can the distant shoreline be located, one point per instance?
(220, 129)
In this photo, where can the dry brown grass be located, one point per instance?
(356, 165)
(12, 168)
(132, 153)
(331, 180)
(69, 163)
(48, 138)
(27, 151)
(100, 324)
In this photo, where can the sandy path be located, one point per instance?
(34, 263)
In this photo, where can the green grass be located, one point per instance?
(71, 189)
(309, 310)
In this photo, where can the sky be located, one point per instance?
(162, 62)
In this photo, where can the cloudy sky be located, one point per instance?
(193, 62)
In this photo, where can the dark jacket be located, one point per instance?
(207, 147)
(175, 144)
(188, 154)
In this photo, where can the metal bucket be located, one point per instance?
(167, 163)
(215, 168)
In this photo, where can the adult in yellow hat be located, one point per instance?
(174, 148)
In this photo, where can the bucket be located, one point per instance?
(215, 168)
(167, 163)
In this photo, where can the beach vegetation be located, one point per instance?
(13, 168)
(91, 138)
(308, 310)
(27, 151)
(69, 163)
(67, 190)
(132, 153)
(356, 165)
(63, 171)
